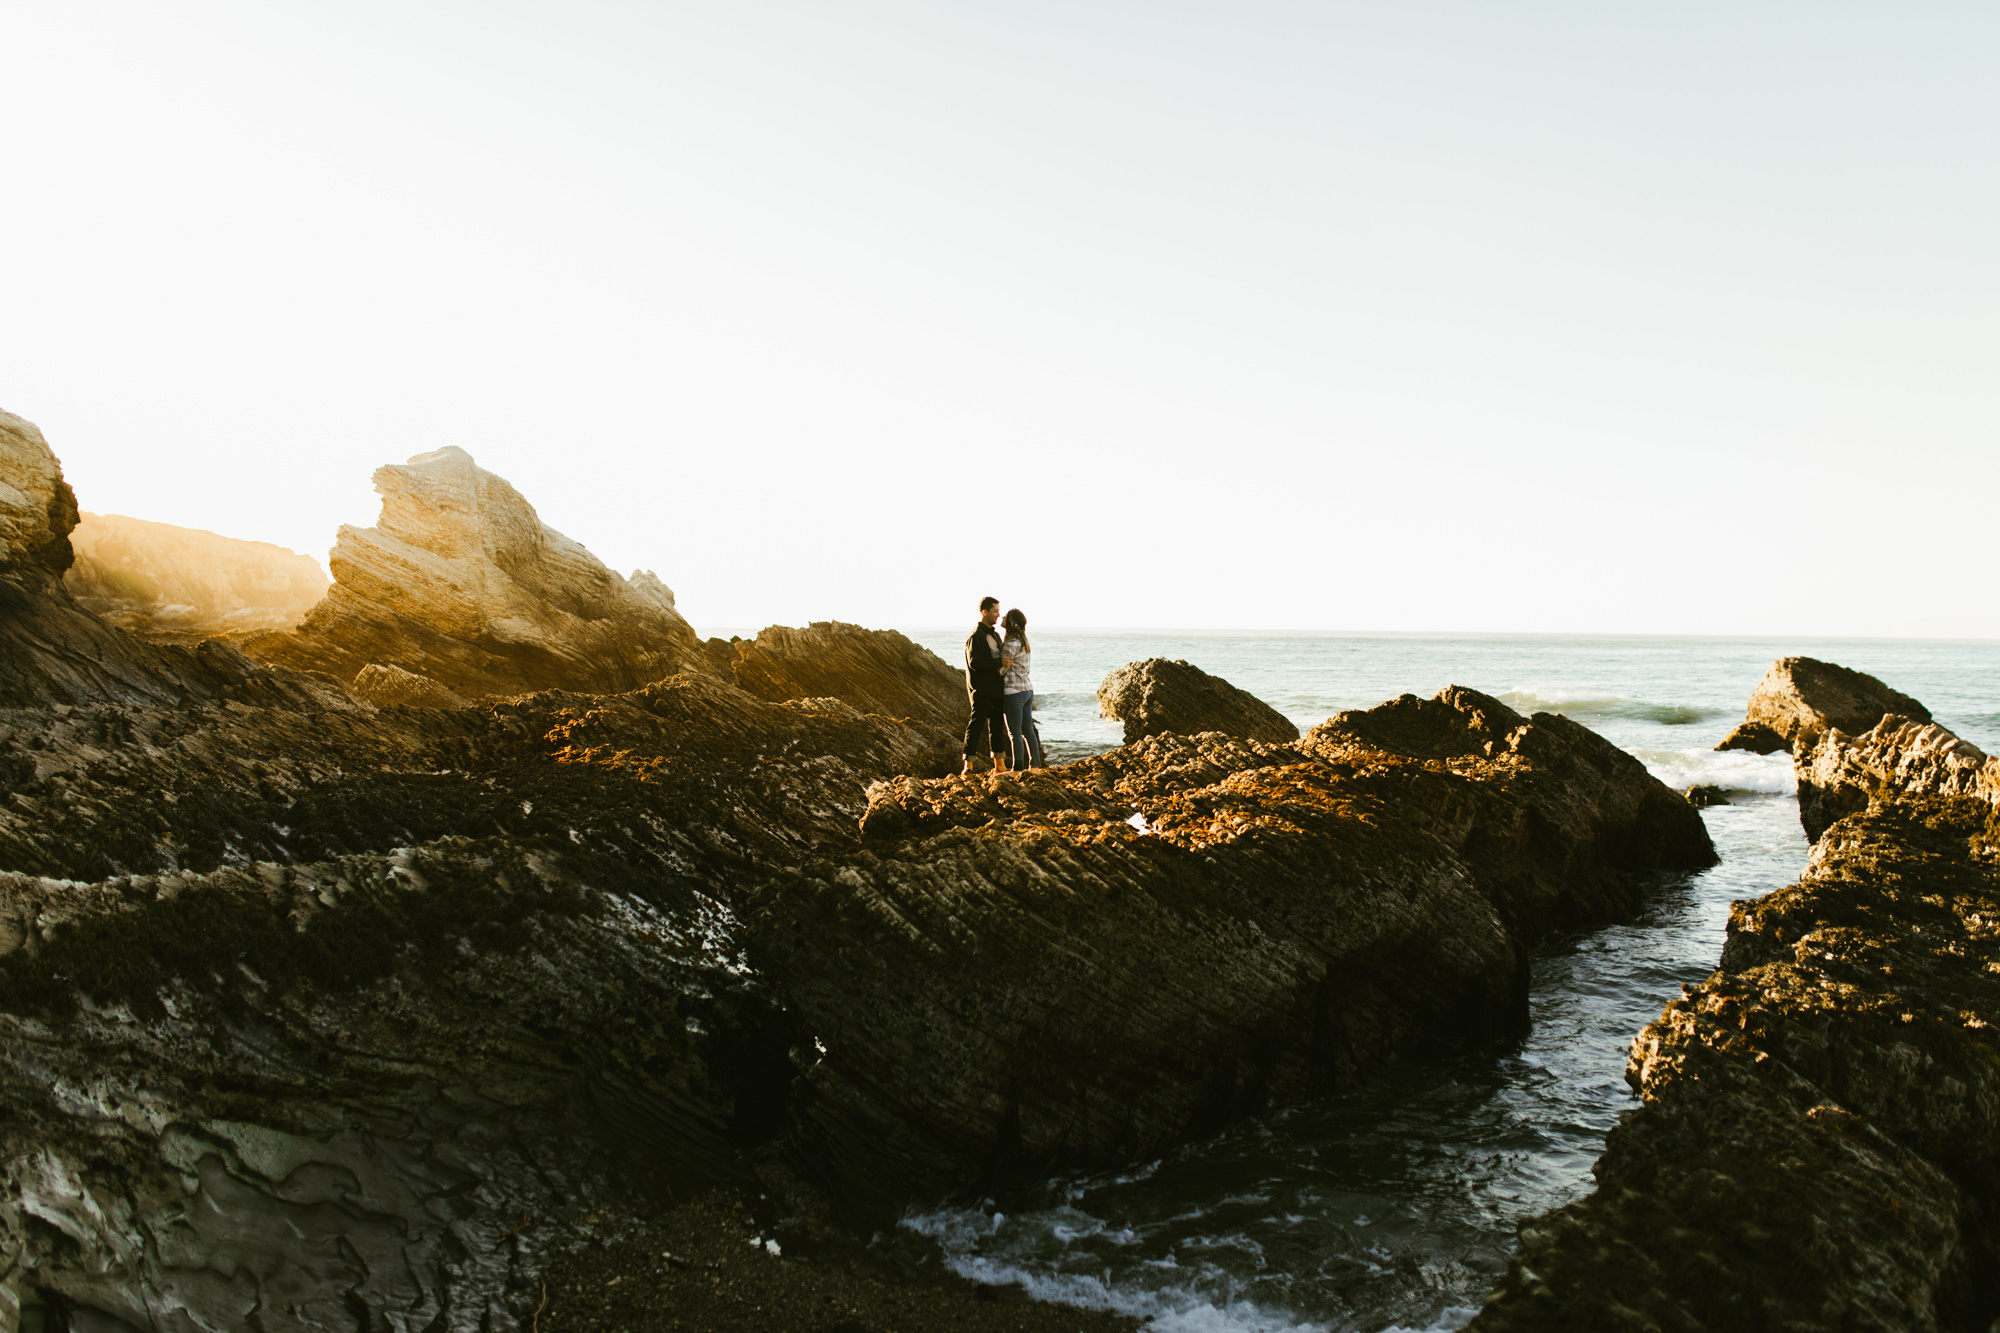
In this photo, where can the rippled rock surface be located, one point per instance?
(1818, 1145)
(1800, 698)
(181, 585)
(1160, 696)
(462, 583)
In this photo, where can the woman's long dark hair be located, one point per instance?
(1016, 626)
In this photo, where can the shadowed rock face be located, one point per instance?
(348, 997)
(1096, 961)
(37, 508)
(462, 583)
(1158, 696)
(379, 1007)
(1801, 697)
(1819, 1140)
(878, 671)
(181, 585)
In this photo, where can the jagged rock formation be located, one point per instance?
(371, 1010)
(1093, 962)
(393, 687)
(461, 583)
(37, 508)
(1159, 697)
(1801, 697)
(54, 652)
(1839, 775)
(378, 1006)
(182, 585)
(878, 671)
(1819, 1141)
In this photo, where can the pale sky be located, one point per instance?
(1584, 317)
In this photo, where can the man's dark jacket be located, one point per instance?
(982, 661)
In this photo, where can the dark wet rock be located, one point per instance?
(1093, 962)
(1703, 795)
(1801, 697)
(373, 1003)
(462, 583)
(1818, 1144)
(1160, 696)
(877, 671)
(182, 585)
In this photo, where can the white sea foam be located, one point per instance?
(1732, 770)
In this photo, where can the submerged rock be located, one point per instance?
(1159, 696)
(1818, 1144)
(1801, 697)
(182, 585)
(462, 583)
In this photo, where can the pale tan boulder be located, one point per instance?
(1800, 698)
(179, 584)
(461, 582)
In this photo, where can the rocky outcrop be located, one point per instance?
(354, 1016)
(182, 585)
(37, 508)
(1839, 774)
(393, 687)
(462, 583)
(378, 1009)
(1159, 697)
(1058, 970)
(1801, 697)
(53, 652)
(1818, 1144)
(877, 671)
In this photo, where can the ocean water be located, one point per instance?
(1394, 1205)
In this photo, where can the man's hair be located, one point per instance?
(988, 603)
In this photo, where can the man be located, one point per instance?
(984, 689)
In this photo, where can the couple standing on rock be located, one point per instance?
(1003, 700)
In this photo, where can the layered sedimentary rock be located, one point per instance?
(37, 508)
(182, 585)
(1801, 697)
(1818, 1144)
(357, 1015)
(1840, 775)
(54, 652)
(878, 671)
(1160, 696)
(345, 1019)
(1093, 962)
(461, 582)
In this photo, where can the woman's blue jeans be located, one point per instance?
(1027, 740)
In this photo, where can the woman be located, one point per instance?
(1017, 699)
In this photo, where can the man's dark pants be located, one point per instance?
(988, 721)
